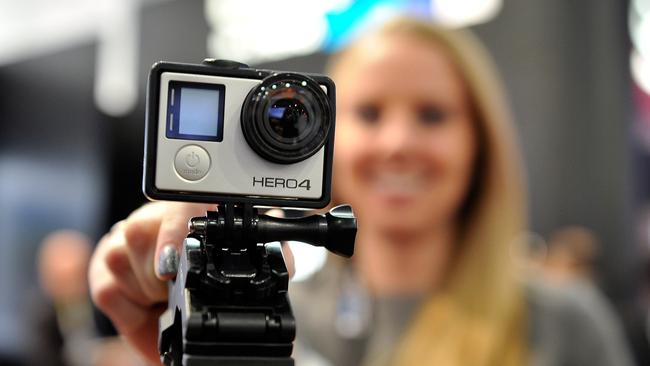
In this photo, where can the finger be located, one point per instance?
(107, 295)
(143, 223)
(288, 258)
(275, 212)
(173, 231)
(118, 263)
(126, 315)
(117, 226)
(140, 232)
(136, 322)
(98, 273)
(145, 337)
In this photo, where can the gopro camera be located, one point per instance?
(223, 132)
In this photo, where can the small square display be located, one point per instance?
(195, 111)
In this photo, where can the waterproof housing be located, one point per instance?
(223, 132)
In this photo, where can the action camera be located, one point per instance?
(223, 132)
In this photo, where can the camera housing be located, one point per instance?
(223, 132)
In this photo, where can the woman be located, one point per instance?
(425, 154)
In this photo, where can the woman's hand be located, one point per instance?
(127, 273)
(131, 264)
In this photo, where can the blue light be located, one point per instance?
(343, 25)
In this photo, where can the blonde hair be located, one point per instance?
(478, 318)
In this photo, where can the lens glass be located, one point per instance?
(288, 118)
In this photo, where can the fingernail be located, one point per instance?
(168, 260)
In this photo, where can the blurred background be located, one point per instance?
(72, 86)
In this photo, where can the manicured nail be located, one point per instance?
(168, 260)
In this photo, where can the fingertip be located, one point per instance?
(135, 235)
(275, 212)
(117, 260)
(167, 263)
(105, 296)
(289, 260)
(125, 314)
(173, 231)
(141, 228)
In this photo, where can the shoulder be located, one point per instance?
(321, 287)
(573, 324)
(314, 304)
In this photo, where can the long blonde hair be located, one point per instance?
(478, 319)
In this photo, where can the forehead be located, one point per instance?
(398, 65)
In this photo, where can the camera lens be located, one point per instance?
(286, 118)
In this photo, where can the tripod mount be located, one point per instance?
(228, 305)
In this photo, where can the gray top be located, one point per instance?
(340, 324)
(573, 324)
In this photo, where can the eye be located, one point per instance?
(368, 113)
(431, 115)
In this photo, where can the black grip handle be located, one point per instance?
(336, 230)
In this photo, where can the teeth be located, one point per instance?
(399, 183)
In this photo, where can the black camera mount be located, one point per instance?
(228, 304)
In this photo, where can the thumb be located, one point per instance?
(173, 230)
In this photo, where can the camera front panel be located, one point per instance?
(196, 149)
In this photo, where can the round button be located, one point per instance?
(192, 162)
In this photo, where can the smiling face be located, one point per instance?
(405, 135)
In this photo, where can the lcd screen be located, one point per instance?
(195, 111)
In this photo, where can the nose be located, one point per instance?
(396, 137)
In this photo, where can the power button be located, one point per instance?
(192, 162)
